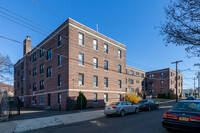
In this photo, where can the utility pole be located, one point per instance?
(177, 77)
(194, 88)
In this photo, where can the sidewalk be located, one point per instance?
(17, 126)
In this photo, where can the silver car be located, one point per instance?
(120, 108)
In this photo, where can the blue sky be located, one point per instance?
(131, 22)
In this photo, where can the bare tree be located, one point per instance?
(6, 68)
(182, 25)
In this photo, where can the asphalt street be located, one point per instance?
(143, 122)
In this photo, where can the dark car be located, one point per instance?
(184, 115)
(191, 98)
(147, 104)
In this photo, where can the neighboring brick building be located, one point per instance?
(71, 59)
(163, 81)
(135, 80)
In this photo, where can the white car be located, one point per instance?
(120, 108)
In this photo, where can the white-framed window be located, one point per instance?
(95, 81)
(80, 79)
(131, 81)
(105, 82)
(119, 54)
(119, 84)
(95, 97)
(81, 39)
(106, 48)
(41, 99)
(95, 62)
(41, 84)
(80, 59)
(162, 83)
(131, 72)
(137, 73)
(34, 86)
(95, 44)
(34, 72)
(41, 68)
(106, 97)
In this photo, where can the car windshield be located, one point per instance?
(187, 106)
(115, 103)
(143, 101)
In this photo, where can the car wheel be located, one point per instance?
(136, 110)
(149, 108)
(122, 113)
(168, 130)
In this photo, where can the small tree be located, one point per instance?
(180, 96)
(81, 101)
(132, 98)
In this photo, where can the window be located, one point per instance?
(142, 83)
(106, 48)
(95, 44)
(95, 81)
(171, 74)
(41, 53)
(142, 75)
(22, 78)
(81, 39)
(119, 84)
(35, 57)
(59, 40)
(34, 100)
(41, 68)
(95, 62)
(49, 72)
(59, 80)
(41, 99)
(126, 71)
(29, 72)
(18, 73)
(59, 98)
(81, 79)
(119, 54)
(22, 90)
(34, 86)
(137, 73)
(161, 83)
(105, 97)
(34, 72)
(106, 65)
(119, 69)
(95, 97)
(162, 74)
(137, 81)
(41, 84)
(59, 60)
(22, 66)
(171, 82)
(18, 84)
(106, 82)
(131, 72)
(81, 59)
(49, 54)
(119, 97)
(131, 81)
(126, 80)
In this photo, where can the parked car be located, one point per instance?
(147, 104)
(120, 108)
(191, 98)
(184, 115)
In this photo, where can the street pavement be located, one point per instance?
(143, 122)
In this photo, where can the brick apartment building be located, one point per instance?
(73, 58)
(135, 80)
(163, 81)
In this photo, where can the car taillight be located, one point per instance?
(114, 107)
(169, 116)
(194, 119)
(145, 104)
(104, 107)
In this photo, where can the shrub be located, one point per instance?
(173, 96)
(168, 96)
(180, 95)
(81, 101)
(144, 96)
(162, 96)
(132, 98)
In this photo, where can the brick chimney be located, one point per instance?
(27, 45)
